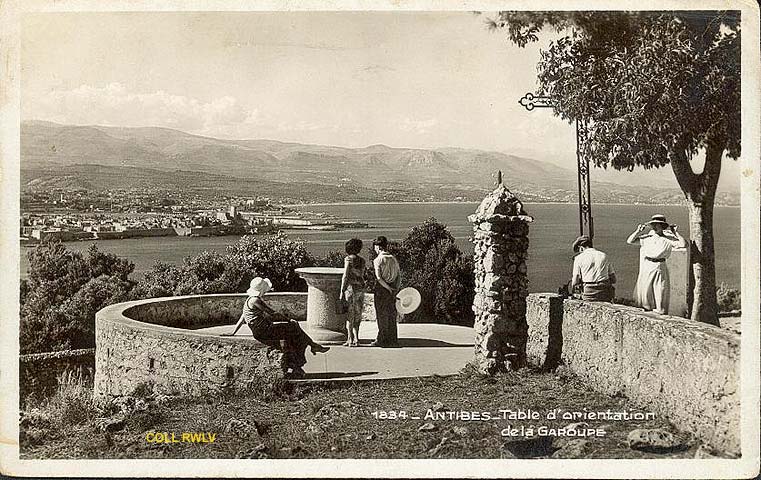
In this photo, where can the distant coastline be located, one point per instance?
(335, 204)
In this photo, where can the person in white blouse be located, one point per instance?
(388, 280)
(592, 271)
(653, 283)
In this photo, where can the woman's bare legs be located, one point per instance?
(350, 334)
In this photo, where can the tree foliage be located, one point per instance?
(209, 272)
(651, 84)
(63, 291)
(273, 256)
(653, 88)
(432, 263)
(160, 281)
(66, 288)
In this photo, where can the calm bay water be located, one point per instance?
(554, 229)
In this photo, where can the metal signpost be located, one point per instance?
(586, 222)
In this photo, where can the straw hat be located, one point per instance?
(259, 286)
(658, 218)
(407, 300)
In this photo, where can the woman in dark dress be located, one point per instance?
(275, 329)
(353, 290)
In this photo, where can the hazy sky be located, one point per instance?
(352, 79)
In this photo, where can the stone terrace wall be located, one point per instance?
(686, 371)
(201, 311)
(152, 342)
(39, 372)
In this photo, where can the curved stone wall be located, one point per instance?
(202, 311)
(153, 342)
(687, 371)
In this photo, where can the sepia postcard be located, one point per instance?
(380, 239)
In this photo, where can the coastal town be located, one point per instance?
(72, 215)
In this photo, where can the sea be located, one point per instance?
(554, 228)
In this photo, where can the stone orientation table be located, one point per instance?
(324, 323)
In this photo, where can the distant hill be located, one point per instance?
(53, 151)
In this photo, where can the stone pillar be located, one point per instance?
(500, 235)
(324, 323)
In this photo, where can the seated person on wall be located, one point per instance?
(275, 329)
(592, 271)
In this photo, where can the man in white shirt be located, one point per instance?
(388, 280)
(593, 271)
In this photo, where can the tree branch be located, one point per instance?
(687, 179)
(709, 179)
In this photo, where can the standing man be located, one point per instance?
(388, 280)
(593, 271)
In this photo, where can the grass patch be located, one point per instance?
(48, 418)
(343, 420)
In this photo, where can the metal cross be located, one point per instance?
(530, 102)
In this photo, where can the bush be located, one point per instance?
(432, 263)
(160, 281)
(273, 256)
(209, 272)
(333, 259)
(63, 291)
(728, 299)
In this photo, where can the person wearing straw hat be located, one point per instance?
(275, 329)
(653, 283)
(592, 271)
(388, 280)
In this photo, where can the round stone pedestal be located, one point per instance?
(324, 323)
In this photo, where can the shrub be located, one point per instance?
(71, 404)
(63, 291)
(273, 256)
(160, 281)
(101, 263)
(208, 272)
(333, 259)
(728, 299)
(432, 263)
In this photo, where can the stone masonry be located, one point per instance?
(685, 371)
(500, 235)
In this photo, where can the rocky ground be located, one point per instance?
(731, 323)
(437, 417)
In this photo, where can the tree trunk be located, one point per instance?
(700, 192)
(703, 302)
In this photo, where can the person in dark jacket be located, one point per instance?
(275, 329)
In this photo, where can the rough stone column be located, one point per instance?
(500, 235)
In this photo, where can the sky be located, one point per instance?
(403, 79)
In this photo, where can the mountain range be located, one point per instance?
(101, 157)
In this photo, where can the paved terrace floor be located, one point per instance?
(425, 350)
